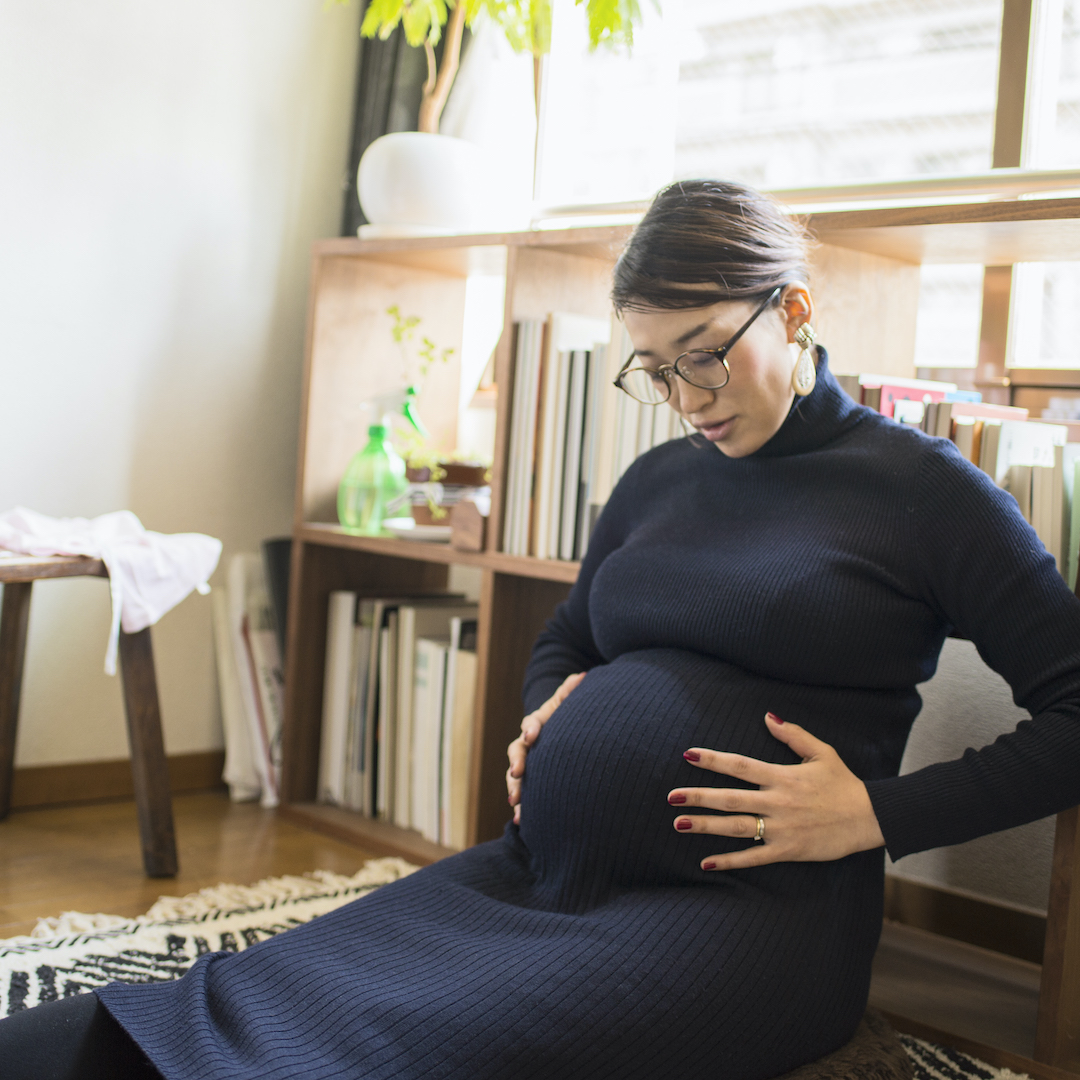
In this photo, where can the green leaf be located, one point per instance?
(422, 20)
(612, 22)
(525, 23)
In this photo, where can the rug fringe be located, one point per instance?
(227, 896)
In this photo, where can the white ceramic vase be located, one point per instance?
(411, 182)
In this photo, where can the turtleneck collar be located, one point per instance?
(816, 419)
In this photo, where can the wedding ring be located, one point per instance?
(759, 836)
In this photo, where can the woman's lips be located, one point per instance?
(716, 431)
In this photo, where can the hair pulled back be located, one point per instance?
(714, 233)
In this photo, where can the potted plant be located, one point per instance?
(429, 182)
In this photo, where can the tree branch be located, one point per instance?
(429, 82)
(436, 92)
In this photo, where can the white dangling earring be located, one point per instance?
(804, 377)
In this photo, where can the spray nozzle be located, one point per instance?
(398, 401)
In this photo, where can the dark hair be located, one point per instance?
(709, 232)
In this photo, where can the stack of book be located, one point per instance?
(398, 702)
(572, 434)
(1035, 462)
(250, 679)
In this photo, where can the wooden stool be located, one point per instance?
(148, 767)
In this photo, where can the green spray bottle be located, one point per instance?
(375, 478)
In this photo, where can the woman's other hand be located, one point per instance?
(815, 811)
(530, 731)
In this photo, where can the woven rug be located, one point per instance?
(75, 953)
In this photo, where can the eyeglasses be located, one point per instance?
(706, 369)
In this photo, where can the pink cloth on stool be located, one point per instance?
(149, 572)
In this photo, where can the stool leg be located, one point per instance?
(14, 618)
(149, 769)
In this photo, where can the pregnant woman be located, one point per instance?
(707, 777)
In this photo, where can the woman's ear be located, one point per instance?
(798, 307)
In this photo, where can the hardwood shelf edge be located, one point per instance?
(823, 223)
(518, 565)
(375, 836)
(984, 210)
(584, 235)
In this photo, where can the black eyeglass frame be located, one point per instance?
(720, 353)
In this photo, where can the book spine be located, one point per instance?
(571, 472)
(403, 788)
(554, 522)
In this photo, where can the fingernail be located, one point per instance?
(773, 717)
(510, 799)
(708, 866)
(684, 825)
(676, 799)
(692, 755)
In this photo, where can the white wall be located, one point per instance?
(163, 170)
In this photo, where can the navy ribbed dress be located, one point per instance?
(816, 578)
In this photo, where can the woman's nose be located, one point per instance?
(689, 399)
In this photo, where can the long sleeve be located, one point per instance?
(986, 573)
(566, 645)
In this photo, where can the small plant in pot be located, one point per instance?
(422, 181)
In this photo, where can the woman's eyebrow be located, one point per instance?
(682, 339)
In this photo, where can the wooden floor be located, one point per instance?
(86, 858)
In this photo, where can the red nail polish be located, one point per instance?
(684, 825)
(774, 718)
(692, 755)
(708, 866)
(676, 799)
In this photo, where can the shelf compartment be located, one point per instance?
(317, 570)
(522, 565)
(986, 233)
(376, 836)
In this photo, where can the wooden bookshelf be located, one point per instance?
(866, 283)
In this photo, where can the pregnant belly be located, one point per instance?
(594, 801)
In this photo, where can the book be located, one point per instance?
(947, 412)
(457, 739)
(1018, 483)
(239, 771)
(1058, 531)
(341, 615)
(1070, 533)
(988, 451)
(548, 450)
(386, 732)
(360, 737)
(910, 412)
(248, 617)
(429, 617)
(1074, 526)
(521, 463)
(1022, 443)
(881, 392)
(429, 681)
(572, 455)
(596, 391)
(269, 674)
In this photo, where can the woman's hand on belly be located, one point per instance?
(815, 811)
(530, 732)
